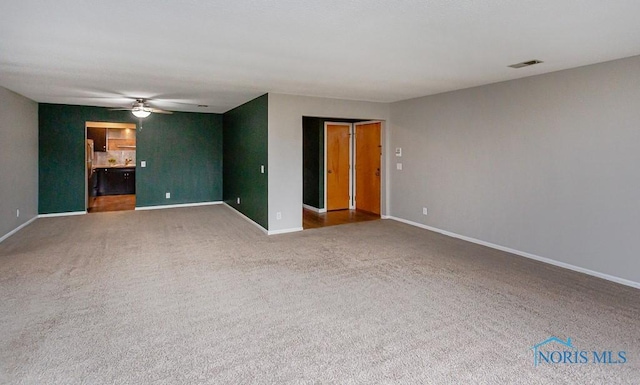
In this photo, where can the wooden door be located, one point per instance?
(368, 161)
(337, 141)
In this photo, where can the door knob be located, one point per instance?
(378, 172)
(329, 171)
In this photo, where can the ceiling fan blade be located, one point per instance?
(120, 109)
(159, 111)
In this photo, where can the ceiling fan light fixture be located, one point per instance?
(140, 112)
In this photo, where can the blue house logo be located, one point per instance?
(537, 352)
(554, 350)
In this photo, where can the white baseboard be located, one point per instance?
(284, 231)
(10, 233)
(272, 232)
(247, 218)
(315, 209)
(161, 207)
(564, 265)
(67, 214)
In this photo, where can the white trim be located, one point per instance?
(324, 147)
(109, 124)
(284, 231)
(352, 167)
(315, 209)
(247, 218)
(273, 232)
(161, 207)
(87, 164)
(10, 233)
(549, 261)
(385, 217)
(67, 214)
(368, 122)
(386, 166)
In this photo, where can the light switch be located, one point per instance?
(398, 151)
(399, 166)
(262, 169)
(143, 163)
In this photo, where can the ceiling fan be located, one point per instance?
(140, 108)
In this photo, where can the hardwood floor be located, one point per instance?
(312, 220)
(113, 203)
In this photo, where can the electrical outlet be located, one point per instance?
(262, 169)
(17, 213)
(167, 195)
(424, 210)
(278, 215)
(238, 200)
(399, 166)
(143, 163)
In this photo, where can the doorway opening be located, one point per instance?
(341, 171)
(111, 166)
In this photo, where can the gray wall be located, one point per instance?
(548, 165)
(18, 160)
(285, 149)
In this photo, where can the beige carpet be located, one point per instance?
(199, 295)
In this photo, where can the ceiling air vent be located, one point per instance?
(525, 63)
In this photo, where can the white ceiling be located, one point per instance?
(224, 53)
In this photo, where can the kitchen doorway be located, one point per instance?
(110, 166)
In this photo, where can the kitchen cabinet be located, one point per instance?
(99, 137)
(93, 187)
(116, 181)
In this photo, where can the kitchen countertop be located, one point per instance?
(133, 165)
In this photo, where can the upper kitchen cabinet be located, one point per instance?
(112, 136)
(121, 139)
(99, 136)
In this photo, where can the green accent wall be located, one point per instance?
(183, 153)
(245, 150)
(312, 162)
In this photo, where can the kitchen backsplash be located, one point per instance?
(102, 158)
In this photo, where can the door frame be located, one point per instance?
(106, 125)
(382, 161)
(351, 164)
